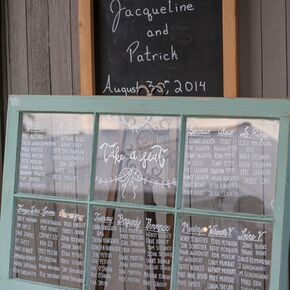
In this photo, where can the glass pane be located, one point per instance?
(224, 254)
(230, 165)
(49, 243)
(136, 159)
(56, 154)
(131, 250)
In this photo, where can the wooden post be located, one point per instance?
(86, 37)
(230, 49)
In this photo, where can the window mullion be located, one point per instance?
(87, 256)
(280, 243)
(87, 260)
(227, 215)
(178, 205)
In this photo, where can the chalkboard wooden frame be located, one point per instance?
(169, 106)
(230, 49)
(86, 43)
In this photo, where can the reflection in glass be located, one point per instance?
(230, 165)
(55, 155)
(49, 243)
(136, 159)
(224, 254)
(131, 250)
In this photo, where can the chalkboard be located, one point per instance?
(176, 44)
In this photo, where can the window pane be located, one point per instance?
(136, 159)
(224, 254)
(230, 165)
(131, 250)
(49, 243)
(56, 154)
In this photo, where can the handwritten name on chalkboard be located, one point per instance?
(175, 44)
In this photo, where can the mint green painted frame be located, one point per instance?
(171, 106)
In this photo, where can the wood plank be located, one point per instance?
(274, 49)
(287, 3)
(6, 55)
(86, 40)
(75, 46)
(18, 67)
(38, 47)
(60, 47)
(230, 55)
(3, 85)
(250, 50)
(4, 68)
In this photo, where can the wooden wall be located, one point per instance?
(3, 87)
(264, 48)
(43, 53)
(42, 38)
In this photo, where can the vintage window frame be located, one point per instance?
(230, 48)
(183, 107)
